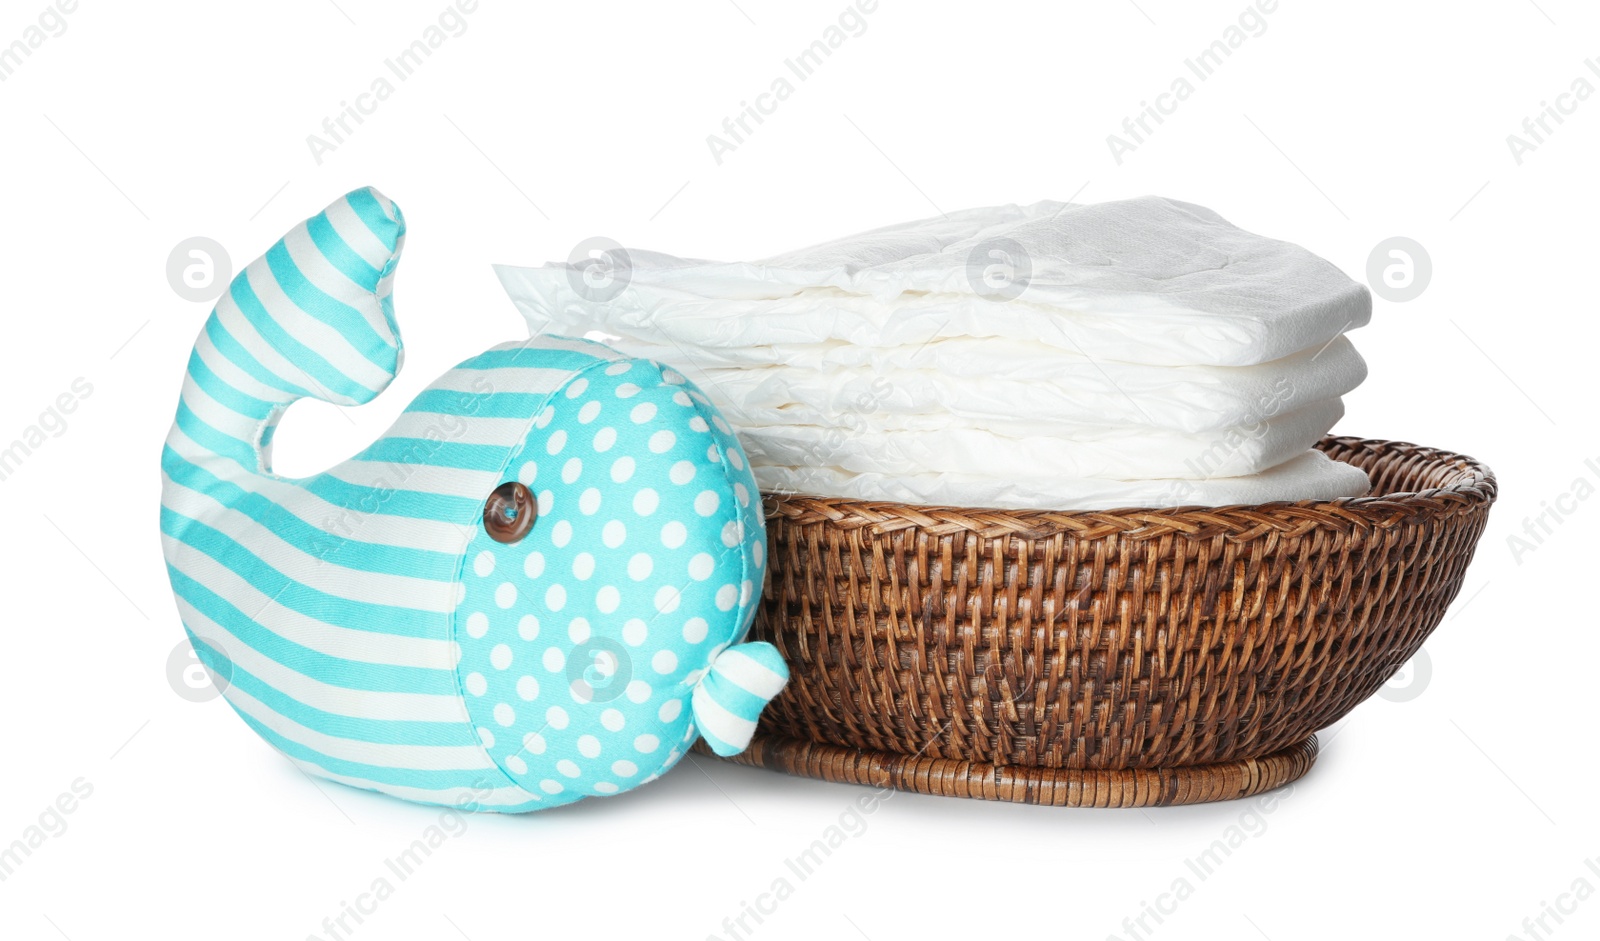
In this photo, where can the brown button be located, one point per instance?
(509, 512)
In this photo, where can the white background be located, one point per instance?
(1455, 808)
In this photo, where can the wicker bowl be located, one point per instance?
(1108, 659)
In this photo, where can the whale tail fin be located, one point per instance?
(730, 696)
(311, 318)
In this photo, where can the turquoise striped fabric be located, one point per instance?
(364, 623)
(729, 700)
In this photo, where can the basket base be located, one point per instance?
(1059, 787)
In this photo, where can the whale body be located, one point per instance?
(532, 589)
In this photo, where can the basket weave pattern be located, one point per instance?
(957, 645)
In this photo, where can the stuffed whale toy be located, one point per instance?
(532, 589)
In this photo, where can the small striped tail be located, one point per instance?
(729, 698)
(311, 318)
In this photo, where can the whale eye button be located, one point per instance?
(509, 513)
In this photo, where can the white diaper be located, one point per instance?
(1310, 476)
(1107, 451)
(1147, 280)
(1002, 383)
(1139, 352)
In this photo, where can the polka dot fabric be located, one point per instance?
(581, 646)
(369, 623)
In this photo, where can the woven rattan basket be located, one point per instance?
(1107, 659)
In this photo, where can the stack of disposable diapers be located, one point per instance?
(1055, 356)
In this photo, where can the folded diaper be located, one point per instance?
(1003, 383)
(1310, 476)
(1122, 452)
(1134, 353)
(1147, 280)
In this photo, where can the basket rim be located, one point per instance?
(1471, 487)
